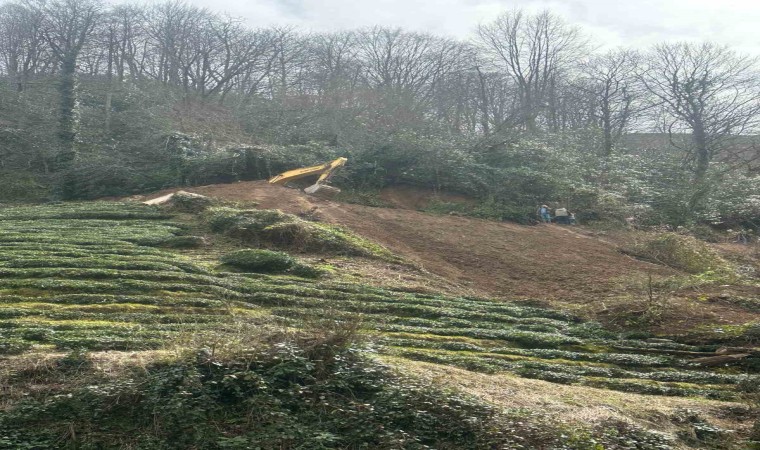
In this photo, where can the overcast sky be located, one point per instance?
(633, 23)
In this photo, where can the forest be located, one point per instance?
(101, 100)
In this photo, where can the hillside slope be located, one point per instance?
(484, 257)
(105, 325)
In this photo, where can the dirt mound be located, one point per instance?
(482, 257)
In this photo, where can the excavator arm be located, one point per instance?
(324, 171)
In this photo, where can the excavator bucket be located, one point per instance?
(322, 190)
(313, 189)
(324, 172)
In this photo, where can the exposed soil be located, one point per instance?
(485, 257)
(411, 197)
(549, 263)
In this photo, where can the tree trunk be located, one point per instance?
(67, 121)
(606, 129)
(484, 107)
(529, 113)
(109, 100)
(702, 154)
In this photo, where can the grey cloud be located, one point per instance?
(633, 23)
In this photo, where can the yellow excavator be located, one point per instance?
(324, 171)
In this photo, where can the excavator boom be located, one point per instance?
(324, 171)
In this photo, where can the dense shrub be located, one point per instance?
(189, 202)
(258, 260)
(681, 252)
(280, 230)
(734, 202)
(22, 187)
(267, 261)
(486, 209)
(253, 220)
(288, 394)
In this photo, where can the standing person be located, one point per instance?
(544, 215)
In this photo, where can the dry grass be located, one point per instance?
(40, 371)
(578, 404)
(388, 275)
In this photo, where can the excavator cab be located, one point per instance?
(322, 172)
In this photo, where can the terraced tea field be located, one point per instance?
(94, 276)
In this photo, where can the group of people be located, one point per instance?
(561, 215)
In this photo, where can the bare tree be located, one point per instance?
(610, 80)
(335, 66)
(127, 37)
(335, 80)
(290, 58)
(706, 90)
(494, 99)
(406, 63)
(22, 45)
(232, 51)
(252, 81)
(534, 51)
(169, 54)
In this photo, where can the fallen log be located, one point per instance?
(661, 351)
(720, 359)
(168, 197)
(735, 350)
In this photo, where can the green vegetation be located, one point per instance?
(81, 278)
(267, 261)
(262, 261)
(680, 252)
(486, 209)
(293, 391)
(100, 100)
(187, 202)
(286, 231)
(93, 283)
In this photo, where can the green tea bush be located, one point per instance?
(13, 346)
(307, 271)
(258, 260)
(184, 242)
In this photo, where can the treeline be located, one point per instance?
(107, 100)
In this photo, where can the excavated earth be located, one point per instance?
(550, 263)
(490, 258)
